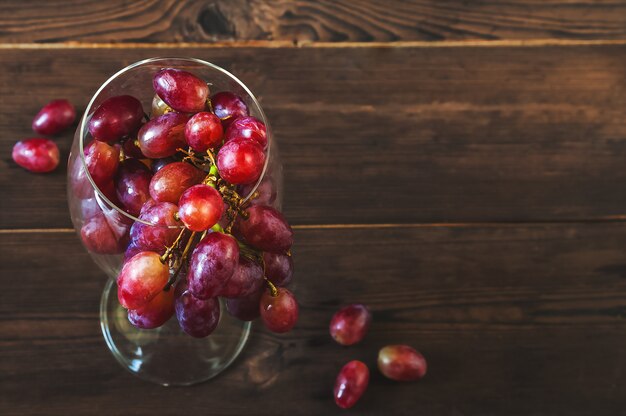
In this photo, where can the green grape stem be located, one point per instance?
(272, 288)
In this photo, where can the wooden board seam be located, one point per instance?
(611, 219)
(307, 44)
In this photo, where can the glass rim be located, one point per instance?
(82, 128)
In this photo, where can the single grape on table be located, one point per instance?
(54, 117)
(36, 155)
(350, 324)
(401, 363)
(351, 383)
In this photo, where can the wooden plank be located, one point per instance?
(516, 320)
(382, 135)
(307, 20)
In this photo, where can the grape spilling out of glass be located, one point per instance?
(188, 173)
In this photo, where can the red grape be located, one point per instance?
(197, 317)
(351, 384)
(116, 118)
(200, 207)
(181, 90)
(102, 161)
(147, 205)
(36, 155)
(133, 249)
(249, 128)
(228, 106)
(245, 308)
(131, 149)
(246, 280)
(401, 363)
(89, 208)
(279, 313)
(108, 190)
(161, 136)
(266, 192)
(212, 263)
(141, 279)
(154, 313)
(54, 117)
(131, 183)
(162, 232)
(266, 229)
(278, 268)
(204, 131)
(350, 324)
(100, 238)
(158, 164)
(240, 161)
(169, 183)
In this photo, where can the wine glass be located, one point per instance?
(165, 355)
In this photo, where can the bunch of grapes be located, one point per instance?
(187, 172)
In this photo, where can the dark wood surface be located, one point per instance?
(407, 134)
(508, 316)
(460, 170)
(304, 21)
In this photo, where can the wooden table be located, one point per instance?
(459, 167)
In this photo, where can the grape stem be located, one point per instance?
(183, 256)
(169, 250)
(272, 288)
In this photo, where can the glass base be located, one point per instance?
(167, 355)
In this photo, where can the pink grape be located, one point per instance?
(204, 131)
(247, 128)
(102, 162)
(245, 308)
(116, 118)
(36, 155)
(200, 207)
(133, 249)
(161, 136)
(212, 263)
(228, 106)
(266, 229)
(158, 164)
(100, 238)
(132, 185)
(181, 90)
(240, 161)
(131, 149)
(401, 363)
(141, 279)
(54, 117)
(162, 232)
(266, 191)
(351, 383)
(350, 324)
(169, 183)
(278, 268)
(279, 313)
(155, 313)
(89, 208)
(197, 317)
(246, 280)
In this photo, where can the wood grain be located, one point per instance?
(307, 20)
(382, 135)
(516, 320)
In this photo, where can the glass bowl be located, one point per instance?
(165, 355)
